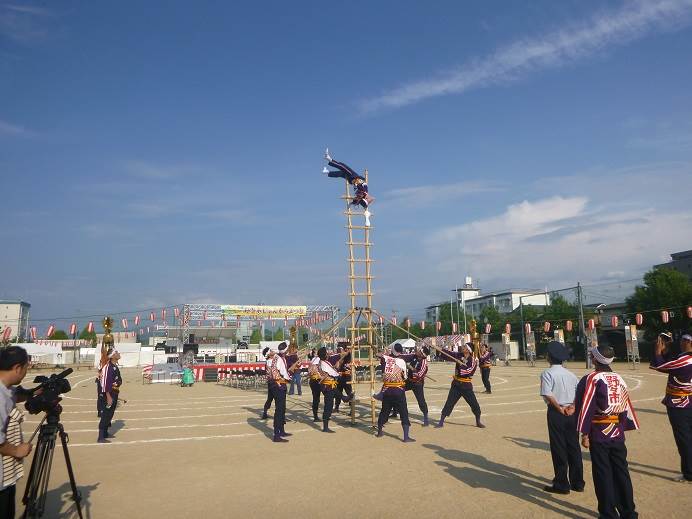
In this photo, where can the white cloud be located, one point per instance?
(421, 196)
(558, 241)
(558, 48)
(13, 130)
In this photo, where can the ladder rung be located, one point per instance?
(366, 243)
(364, 227)
(361, 277)
(351, 213)
(360, 294)
(361, 260)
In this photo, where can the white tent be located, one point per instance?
(409, 345)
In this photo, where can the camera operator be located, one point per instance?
(14, 362)
(110, 387)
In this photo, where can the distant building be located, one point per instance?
(15, 314)
(506, 301)
(680, 261)
(467, 291)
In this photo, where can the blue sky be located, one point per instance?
(155, 153)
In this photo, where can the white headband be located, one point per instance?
(598, 357)
(469, 348)
(110, 355)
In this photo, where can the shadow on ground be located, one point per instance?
(480, 472)
(59, 503)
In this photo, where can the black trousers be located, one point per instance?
(7, 497)
(270, 398)
(342, 387)
(611, 480)
(278, 392)
(418, 392)
(393, 399)
(315, 388)
(344, 171)
(107, 414)
(681, 422)
(100, 399)
(329, 394)
(456, 391)
(565, 450)
(485, 376)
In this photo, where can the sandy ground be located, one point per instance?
(204, 452)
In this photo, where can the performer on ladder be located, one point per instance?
(328, 375)
(462, 385)
(605, 412)
(486, 361)
(394, 375)
(678, 397)
(268, 354)
(314, 374)
(278, 378)
(362, 197)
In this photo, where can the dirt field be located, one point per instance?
(204, 452)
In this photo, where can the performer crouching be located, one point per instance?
(268, 354)
(394, 374)
(328, 376)
(278, 378)
(604, 414)
(462, 385)
(486, 361)
(314, 374)
(678, 398)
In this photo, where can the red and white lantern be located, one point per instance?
(488, 327)
(34, 332)
(176, 313)
(6, 333)
(408, 323)
(639, 319)
(381, 319)
(90, 327)
(137, 320)
(141, 331)
(568, 326)
(592, 324)
(123, 321)
(665, 316)
(422, 325)
(73, 329)
(454, 327)
(614, 321)
(394, 320)
(152, 316)
(438, 326)
(689, 312)
(527, 327)
(508, 328)
(163, 314)
(148, 329)
(50, 331)
(546, 326)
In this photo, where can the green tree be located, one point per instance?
(279, 335)
(663, 288)
(86, 335)
(59, 335)
(256, 336)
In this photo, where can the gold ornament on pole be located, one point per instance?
(293, 339)
(107, 341)
(475, 339)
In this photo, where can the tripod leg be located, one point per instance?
(35, 493)
(76, 496)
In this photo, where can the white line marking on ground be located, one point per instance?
(190, 438)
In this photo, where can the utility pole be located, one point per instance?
(521, 314)
(582, 330)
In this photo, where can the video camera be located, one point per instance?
(51, 389)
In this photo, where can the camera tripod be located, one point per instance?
(35, 493)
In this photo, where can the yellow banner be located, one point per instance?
(265, 312)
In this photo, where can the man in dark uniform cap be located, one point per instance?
(558, 388)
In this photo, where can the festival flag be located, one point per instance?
(408, 323)
(176, 313)
(73, 329)
(422, 325)
(90, 327)
(148, 329)
(527, 327)
(689, 312)
(568, 326)
(614, 321)
(592, 324)
(394, 320)
(141, 331)
(34, 333)
(665, 316)
(508, 328)
(454, 327)
(381, 319)
(137, 320)
(546, 326)
(438, 326)
(6, 333)
(163, 314)
(152, 316)
(639, 319)
(50, 331)
(123, 321)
